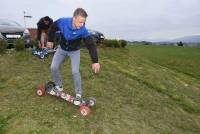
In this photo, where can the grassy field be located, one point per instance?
(140, 90)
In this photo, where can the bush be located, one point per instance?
(123, 43)
(19, 44)
(111, 43)
(115, 43)
(180, 43)
(34, 43)
(3, 46)
(108, 43)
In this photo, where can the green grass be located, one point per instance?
(181, 59)
(139, 91)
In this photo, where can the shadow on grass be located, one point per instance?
(180, 100)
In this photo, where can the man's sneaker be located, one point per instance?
(52, 92)
(60, 89)
(78, 96)
(77, 100)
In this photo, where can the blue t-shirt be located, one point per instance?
(66, 28)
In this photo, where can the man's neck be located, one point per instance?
(73, 25)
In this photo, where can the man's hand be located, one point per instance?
(96, 67)
(50, 45)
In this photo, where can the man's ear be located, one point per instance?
(74, 17)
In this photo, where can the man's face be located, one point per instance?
(78, 21)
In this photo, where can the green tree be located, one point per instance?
(3, 46)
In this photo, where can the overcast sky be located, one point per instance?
(120, 19)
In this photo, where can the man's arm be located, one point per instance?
(39, 31)
(51, 34)
(50, 22)
(91, 46)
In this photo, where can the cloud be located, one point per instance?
(129, 19)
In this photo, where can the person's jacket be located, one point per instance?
(71, 38)
(42, 26)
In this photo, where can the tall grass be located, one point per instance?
(137, 91)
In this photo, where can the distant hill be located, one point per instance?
(187, 39)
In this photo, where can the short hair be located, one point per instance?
(80, 12)
(47, 18)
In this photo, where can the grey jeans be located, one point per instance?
(58, 59)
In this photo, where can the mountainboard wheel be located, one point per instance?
(92, 102)
(49, 86)
(41, 56)
(84, 110)
(40, 90)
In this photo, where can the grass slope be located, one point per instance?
(141, 89)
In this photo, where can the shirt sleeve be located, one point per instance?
(52, 30)
(39, 27)
(85, 33)
(91, 46)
